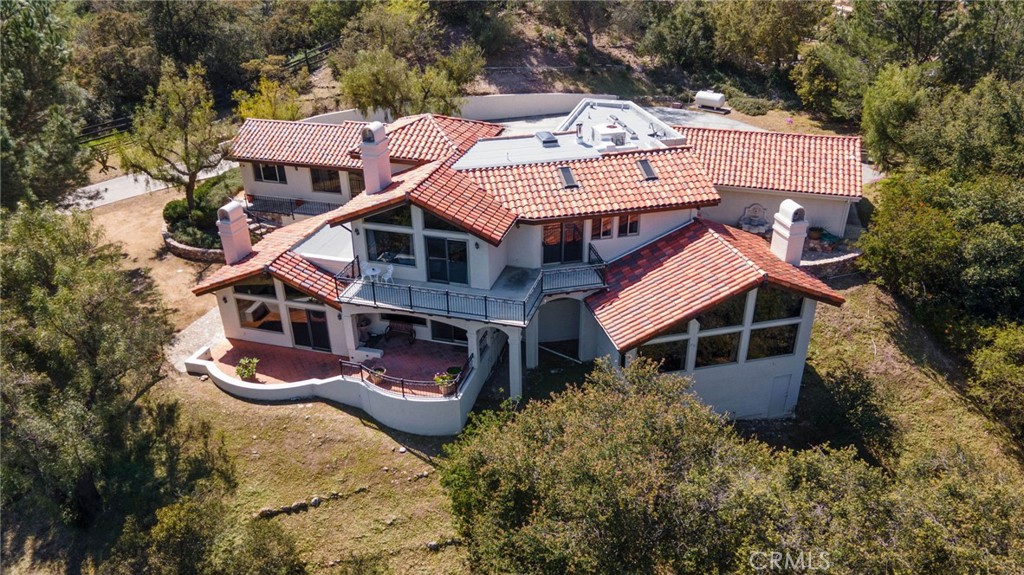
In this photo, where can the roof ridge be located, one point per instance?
(764, 132)
(604, 155)
(734, 249)
(302, 122)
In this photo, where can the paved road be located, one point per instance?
(124, 187)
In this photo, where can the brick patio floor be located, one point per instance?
(417, 361)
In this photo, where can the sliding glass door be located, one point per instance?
(447, 261)
(563, 242)
(309, 329)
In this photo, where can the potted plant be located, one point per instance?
(376, 375)
(246, 368)
(446, 380)
(815, 232)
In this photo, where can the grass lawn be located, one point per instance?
(914, 389)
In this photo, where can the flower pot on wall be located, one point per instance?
(376, 376)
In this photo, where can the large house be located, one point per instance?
(604, 240)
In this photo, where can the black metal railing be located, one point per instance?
(431, 300)
(377, 376)
(286, 206)
(352, 288)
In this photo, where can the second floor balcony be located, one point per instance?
(513, 298)
(290, 207)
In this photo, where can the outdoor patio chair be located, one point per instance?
(386, 277)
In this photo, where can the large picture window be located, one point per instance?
(400, 216)
(391, 247)
(257, 287)
(446, 332)
(717, 349)
(432, 222)
(255, 314)
(772, 341)
(671, 354)
(774, 303)
(269, 173)
(325, 181)
(727, 314)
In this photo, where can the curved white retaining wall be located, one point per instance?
(411, 414)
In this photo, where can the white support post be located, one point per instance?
(533, 343)
(692, 329)
(748, 319)
(515, 363)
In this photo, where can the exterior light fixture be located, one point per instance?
(339, 316)
(476, 245)
(356, 230)
(224, 298)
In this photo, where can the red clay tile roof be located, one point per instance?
(828, 165)
(609, 184)
(429, 137)
(456, 198)
(293, 269)
(281, 240)
(686, 272)
(302, 143)
(416, 139)
(263, 254)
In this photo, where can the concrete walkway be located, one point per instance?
(203, 331)
(129, 186)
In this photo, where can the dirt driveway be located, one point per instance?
(136, 224)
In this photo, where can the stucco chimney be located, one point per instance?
(788, 232)
(234, 232)
(376, 158)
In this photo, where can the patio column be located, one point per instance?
(473, 341)
(515, 363)
(533, 343)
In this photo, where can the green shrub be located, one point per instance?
(998, 379)
(185, 232)
(246, 368)
(175, 211)
(751, 106)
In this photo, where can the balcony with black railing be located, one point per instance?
(513, 299)
(286, 206)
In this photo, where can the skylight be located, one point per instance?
(568, 180)
(647, 169)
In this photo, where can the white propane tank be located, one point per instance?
(709, 99)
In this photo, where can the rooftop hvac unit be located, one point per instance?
(710, 100)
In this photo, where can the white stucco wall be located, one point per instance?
(652, 226)
(559, 320)
(821, 211)
(494, 107)
(524, 246)
(412, 414)
(755, 389)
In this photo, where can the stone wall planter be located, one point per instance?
(190, 253)
(831, 267)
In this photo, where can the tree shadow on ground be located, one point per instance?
(840, 410)
(166, 457)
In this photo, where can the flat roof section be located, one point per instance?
(525, 149)
(644, 130)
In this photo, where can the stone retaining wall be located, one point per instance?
(831, 267)
(190, 253)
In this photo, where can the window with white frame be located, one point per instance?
(629, 225)
(269, 173)
(670, 355)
